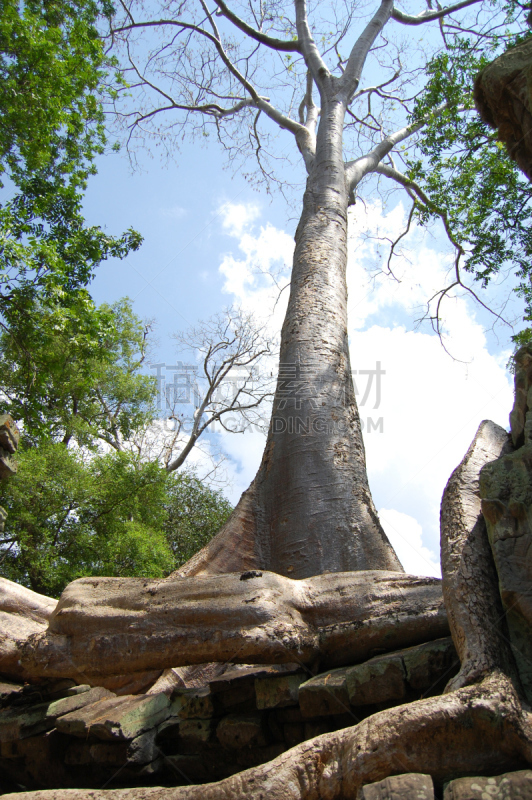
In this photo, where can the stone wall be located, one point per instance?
(63, 735)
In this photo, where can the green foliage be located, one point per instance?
(69, 516)
(72, 372)
(473, 185)
(84, 381)
(52, 73)
(194, 514)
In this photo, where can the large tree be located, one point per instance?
(244, 72)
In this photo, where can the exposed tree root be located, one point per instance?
(102, 626)
(470, 585)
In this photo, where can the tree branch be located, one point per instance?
(429, 16)
(311, 54)
(275, 44)
(351, 77)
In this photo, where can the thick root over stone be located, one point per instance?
(102, 626)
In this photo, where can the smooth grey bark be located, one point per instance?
(102, 626)
(309, 509)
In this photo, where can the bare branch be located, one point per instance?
(351, 77)
(429, 16)
(275, 44)
(231, 345)
(357, 169)
(313, 59)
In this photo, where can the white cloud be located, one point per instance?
(236, 217)
(405, 535)
(174, 212)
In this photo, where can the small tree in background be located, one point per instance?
(194, 514)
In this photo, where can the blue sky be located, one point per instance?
(206, 233)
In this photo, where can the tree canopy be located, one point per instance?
(53, 72)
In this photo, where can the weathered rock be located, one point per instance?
(192, 703)
(116, 718)
(472, 730)
(294, 733)
(141, 750)
(378, 680)
(8, 464)
(81, 689)
(128, 683)
(187, 769)
(235, 690)
(419, 669)
(241, 730)
(8, 689)
(503, 97)
(511, 786)
(429, 666)
(195, 733)
(325, 694)
(19, 723)
(68, 704)
(399, 787)
(278, 692)
(9, 433)
(36, 761)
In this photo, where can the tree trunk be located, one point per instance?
(309, 509)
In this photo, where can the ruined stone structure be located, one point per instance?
(361, 694)
(503, 97)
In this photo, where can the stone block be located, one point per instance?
(168, 730)
(84, 687)
(141, 772)
(186, 769)
(294, 733)
(278, 692)
(235, 690)
(9, 433)
(192, 703)
(68, 704)
(116, 717)
(8, 466)
(510, 786)
(275, 728)
(430, 666)
(139, 751)
(41, 760)
(283, 715)
(379, 680)
(325, 694)
(19, 722)
(409, 786)
(195, 734)
(241, 730)
(7, 689)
